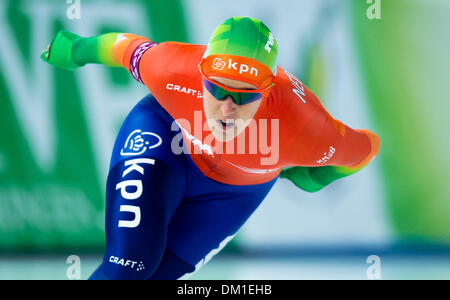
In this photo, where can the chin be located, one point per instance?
(224, 136)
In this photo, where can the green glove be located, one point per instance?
(59, 53)
(301, 177)
(313, 179)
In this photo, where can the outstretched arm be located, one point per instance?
(313, 179)
(70, 51)
(325, 149)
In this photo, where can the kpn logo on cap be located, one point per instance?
(218, 64)
(242, 48)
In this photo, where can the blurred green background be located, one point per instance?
(382, 65)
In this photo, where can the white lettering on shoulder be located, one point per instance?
(299, 88)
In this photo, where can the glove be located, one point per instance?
(301, 177)
(59, 52)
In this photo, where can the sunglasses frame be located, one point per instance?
(255, 95)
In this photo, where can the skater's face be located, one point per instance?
(226, 119)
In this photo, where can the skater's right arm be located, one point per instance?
(70, 51)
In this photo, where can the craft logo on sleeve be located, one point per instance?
(185, 90)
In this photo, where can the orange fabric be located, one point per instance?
(122, 44)
(132, 44)
(237, 67)
(375, 146)
(296, 129)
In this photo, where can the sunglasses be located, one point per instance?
(240, 97)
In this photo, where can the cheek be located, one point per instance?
(248, 111)
(210, 105)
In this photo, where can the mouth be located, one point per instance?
(226, 124)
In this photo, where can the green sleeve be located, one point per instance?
(95, 50)
(70, 51)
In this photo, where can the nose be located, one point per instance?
(227, 107)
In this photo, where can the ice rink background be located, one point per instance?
(229, 267)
